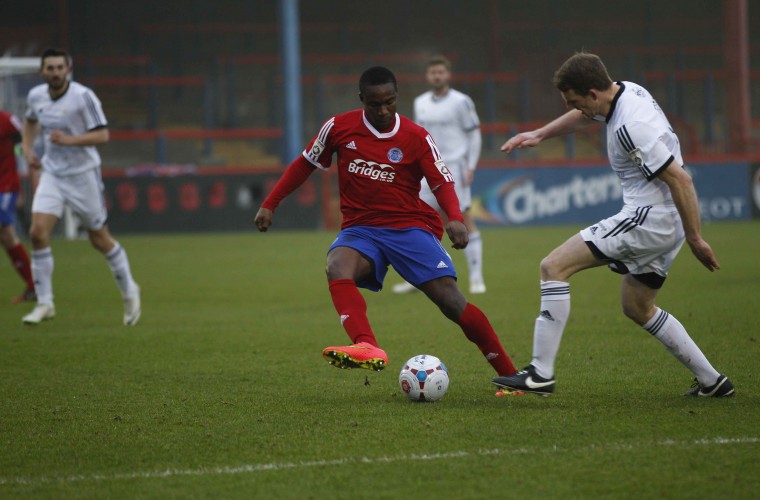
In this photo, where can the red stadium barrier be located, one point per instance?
(195, 134)
(145, 81)
(222, 28)
(98, 60)
(322, 58)
(671, 77)
(508, 128)
(683, 74)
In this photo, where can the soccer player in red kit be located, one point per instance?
(382, 158)
(10, 135)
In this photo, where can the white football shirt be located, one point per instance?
(640, 143)
(449, 119)
(76, 112)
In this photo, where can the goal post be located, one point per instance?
(17, 76)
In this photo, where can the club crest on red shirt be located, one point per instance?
(395, 155)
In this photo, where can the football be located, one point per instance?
(424, 378)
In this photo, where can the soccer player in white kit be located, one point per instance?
(72, 123)
(660, 211)
(450, 117)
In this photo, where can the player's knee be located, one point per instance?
(39, 237)
(332, 270)
(8, 237)
(549, 268)
(337, 270)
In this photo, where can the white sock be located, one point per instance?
(668, 330)
(547, 333)
(42, 272)
(119, 264)
(474, 254)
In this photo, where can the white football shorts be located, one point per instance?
(83, 193)
(642, 241)
(464, 193)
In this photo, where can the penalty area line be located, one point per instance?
(416, 457)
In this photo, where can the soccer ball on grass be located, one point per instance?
(424, 378)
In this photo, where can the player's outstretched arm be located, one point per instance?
(522, 140)
(565, 124)
(295, 175)
(685, 198)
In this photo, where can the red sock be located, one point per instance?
(352, 310)
(478, 330)
(21, 262)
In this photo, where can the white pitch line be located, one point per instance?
(275, 466)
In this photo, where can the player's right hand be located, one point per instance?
(263, 219)
(32, 161)
(457, 232)
(521, 140)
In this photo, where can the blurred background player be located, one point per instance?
(72, 122)
(10, 186)
(381, 158)
(450, 117)
(660, 211)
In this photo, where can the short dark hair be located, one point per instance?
(438, 60)
(54, 52)
(582, 72)
(376, 75)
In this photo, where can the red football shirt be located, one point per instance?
(379, 173)
(10, 134)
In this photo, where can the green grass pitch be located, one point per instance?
(221, 391)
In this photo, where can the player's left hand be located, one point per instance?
(457, 232)
(263, 219)
(59, 137)
(703, 252)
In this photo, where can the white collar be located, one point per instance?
(382, 135)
